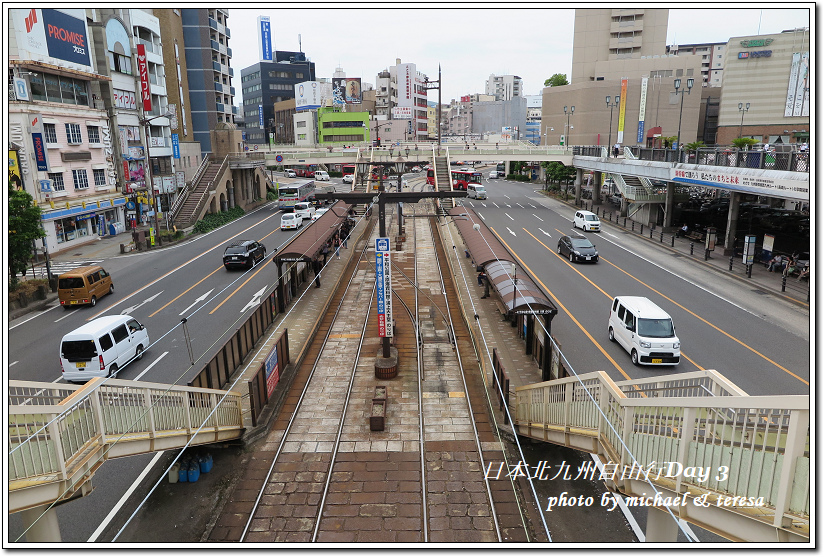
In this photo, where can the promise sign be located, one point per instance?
(143, 68)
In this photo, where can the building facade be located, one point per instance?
(712, 60)
(265, 83)
(504, 87)
(400, 94)
(338, 127)
(210, 76)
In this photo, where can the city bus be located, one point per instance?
(430, 177)
(460, 178)
(289, 194)
(500, 167)
(347, 169)
(304, 170)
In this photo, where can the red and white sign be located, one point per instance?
(143, 68)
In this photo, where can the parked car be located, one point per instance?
(83, 285)
(101, 347)
(349, 178)
(290, 221)
(577, 248)
(245, 253)
(586, 221)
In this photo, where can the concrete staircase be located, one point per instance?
(192, 207)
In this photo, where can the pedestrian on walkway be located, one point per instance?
(481, 277)
(337, 247)
(325, 251)
(616, 149)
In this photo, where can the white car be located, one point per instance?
(291, 174)
(290, 221)
(304, 210)
(319, 213)
(586, 221)
(494, 174)
(349, 178)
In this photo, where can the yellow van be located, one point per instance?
(83, 285)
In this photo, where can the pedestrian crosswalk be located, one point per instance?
(59, 267)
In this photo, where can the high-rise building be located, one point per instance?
(206, 37)
(400, 94)
(604, 35)
(504, 87)
(712, 60)
(265, 83)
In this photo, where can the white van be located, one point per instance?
(587, 221)
(475, 191)
(321, 175)
(644, 330)
(304, 210)
(102, 347)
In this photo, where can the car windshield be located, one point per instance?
(590, 217)
(656, 328)
(581, 243)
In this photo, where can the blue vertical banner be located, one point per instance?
(175, 146)
(265, 39)
(260, 115)
(40, 155)
(383, 284)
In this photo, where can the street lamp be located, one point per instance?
(144, 122)
(566, 137)
(611, 106)
(742, 109)
(690, 82)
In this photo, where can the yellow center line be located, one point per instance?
(185, 291)
(595, 285)
(562, 306)
(239, 287)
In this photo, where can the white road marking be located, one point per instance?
(510, 231)
(14, 362)
(150, 366)
(129, 310)
(545, 232)
(537, 217)
(521, 206)
(33, 317)
(496, 205)
(510, 218)
(480, 215)
(206, 295)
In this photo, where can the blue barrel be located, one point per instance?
(194, 471)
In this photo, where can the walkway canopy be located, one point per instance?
(488, 252)
(306, 246)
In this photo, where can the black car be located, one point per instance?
(245, 253)
(577, 249)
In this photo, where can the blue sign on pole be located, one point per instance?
(265, 39)
(640, 139)
(260, 114)
(175, 146)
(40, 155)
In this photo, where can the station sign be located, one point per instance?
(383, 282)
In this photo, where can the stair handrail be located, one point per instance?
(629, 155)
(183, 195)
(204, 194)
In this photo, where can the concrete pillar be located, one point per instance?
(624, 206)
(596, 188)
(41, 525)
(506, 168)
(661, 528)
(230, 191)
(579, 177)
(732, 221)
(668, 206)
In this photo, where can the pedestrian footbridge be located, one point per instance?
(60, 434)
(734, 464)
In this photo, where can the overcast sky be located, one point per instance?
(469, 43)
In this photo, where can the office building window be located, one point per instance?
(80, 179)
(73, 134)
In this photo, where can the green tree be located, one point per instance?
(556, 80)
(694, 146)
(669, 141)
(24, 229)
(744, 142)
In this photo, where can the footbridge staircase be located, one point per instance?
(660, 435)
(60, 434)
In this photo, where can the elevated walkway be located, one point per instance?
(59, 435)
(693, 436)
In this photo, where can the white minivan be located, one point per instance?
(321, 175)
(644, 330)
(587, 221)
(475, 191)
(102, 347)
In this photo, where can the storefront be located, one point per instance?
(78, 225)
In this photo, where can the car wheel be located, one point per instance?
(571, 258)
(111, 289)
(138, 354)
(559, 248)
(112, 371)
(634, 358)
(611, 335)
(93, 301)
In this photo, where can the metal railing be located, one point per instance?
(184, 194)
(60, 434)
(755, 446)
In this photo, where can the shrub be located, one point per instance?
(271, 195)
(216, 220)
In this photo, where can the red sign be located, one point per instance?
(143, 68)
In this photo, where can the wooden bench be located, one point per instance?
(695, 236)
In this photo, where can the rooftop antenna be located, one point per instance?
(760, 13)
(300, 48)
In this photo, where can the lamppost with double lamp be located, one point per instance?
(611, 106)
(145, 124)
(742, 108)
(690, 82)
(566, 137)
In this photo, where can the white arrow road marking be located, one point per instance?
(510, 218)
(196, 302)
(150, 366)
(508, 205)
(510, 231)
(545, 232)
(129, 310)
(255, 300)
(484, 204)
(537, 217)
(507, 196)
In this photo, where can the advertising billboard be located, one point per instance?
(798, 88)
(143, 69)
(56, 35)
(15, 175)
(353, 90)
(265, 38)
(307, 96)
(401, 112)
(622, 110)
(406, 84)
(338, 91)
(641, 111)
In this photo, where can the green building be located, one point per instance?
(335, 126)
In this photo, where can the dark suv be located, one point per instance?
(245, 253)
